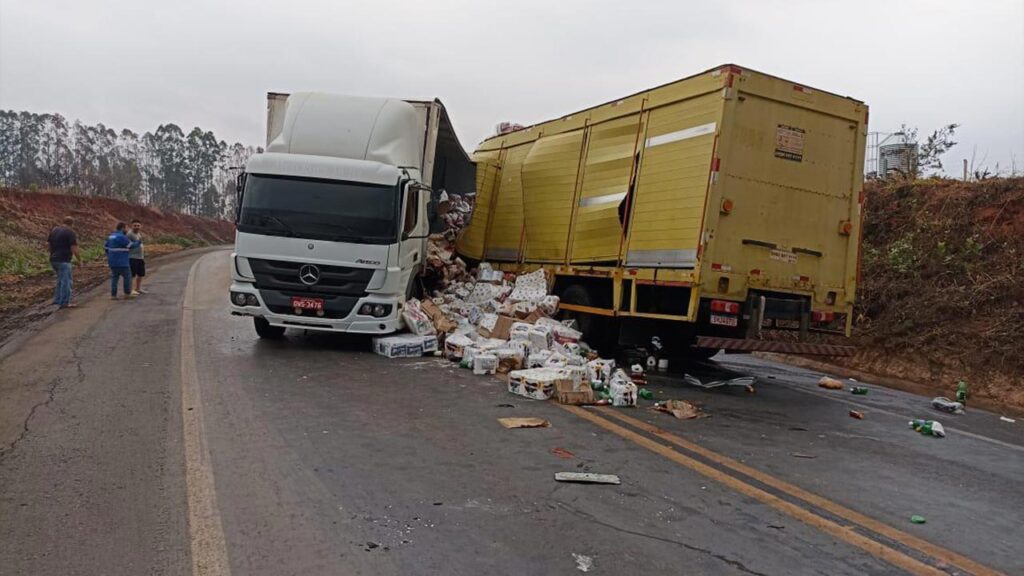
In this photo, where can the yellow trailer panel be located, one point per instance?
(730, 186)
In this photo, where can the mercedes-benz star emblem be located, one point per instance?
(309, 274)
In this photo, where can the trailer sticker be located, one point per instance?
(782, 256)
(789, 143)
(678, 135)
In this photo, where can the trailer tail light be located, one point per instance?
(726, 207)
(845, 227)
(725, 307)
(824, 317)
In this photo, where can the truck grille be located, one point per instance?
(334, 280)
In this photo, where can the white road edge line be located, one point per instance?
(206, 534)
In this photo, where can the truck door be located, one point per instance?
(415, 229)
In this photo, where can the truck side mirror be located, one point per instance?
(239, 192)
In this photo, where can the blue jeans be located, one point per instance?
(126, 275)
(62, 293)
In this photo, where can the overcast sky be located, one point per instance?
(140, 63)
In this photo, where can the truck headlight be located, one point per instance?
(380, 310)
(366, 310)
(238, 298)
(250, 300)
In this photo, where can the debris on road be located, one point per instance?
(405, 345)
(587, 478)
(830, 383)
(583, 563)
(802, 455)
(524, 422)
(562, 453)
(681, 409)
(744, 381)
(1003, 418)
(917, 519)
(928, 427)
(859, 390)
(856, 414)
(947, 405)
(961, 391)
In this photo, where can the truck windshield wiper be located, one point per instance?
(280, 223)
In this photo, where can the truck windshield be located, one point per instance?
(319, 209)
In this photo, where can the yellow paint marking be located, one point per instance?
(206, 534)
(904, 538)
(846, 534)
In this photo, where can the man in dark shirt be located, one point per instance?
(63, 246)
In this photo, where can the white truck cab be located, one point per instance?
(332, 220)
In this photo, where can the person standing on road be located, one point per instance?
(63, 246)
(117, 247)
(137, 257)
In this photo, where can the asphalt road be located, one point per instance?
(160, 436)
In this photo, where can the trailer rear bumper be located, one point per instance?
(749, 345)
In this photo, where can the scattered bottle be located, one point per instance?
(917, 519)
(928, 427)
(646, 394)
(961, 392)
(859, 390)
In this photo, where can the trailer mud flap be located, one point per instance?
(748, 345)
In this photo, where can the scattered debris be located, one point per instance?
(506, 405)
(859, 390)
(524, 422)
(777, 526)
(405, 345)
(830, 383)
(562, 453)
(856, 414)
(1003, 418)
(802, 455)
(370, 546)
(583, 563)
(947, 405)
(917, 519)
(798, 429)
(587, 478)
(928, 428)
(744, 381)
(961, 391)
(681, 409)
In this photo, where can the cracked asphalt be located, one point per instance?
(328, 459)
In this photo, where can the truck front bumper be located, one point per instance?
(352, 323)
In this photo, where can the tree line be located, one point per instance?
(191, 173)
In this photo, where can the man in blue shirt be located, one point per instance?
(118, 246)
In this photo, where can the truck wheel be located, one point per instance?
(600, 332)
(265, 330)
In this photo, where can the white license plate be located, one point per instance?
(788, 324)
(719, 320)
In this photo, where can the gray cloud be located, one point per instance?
(138, 64)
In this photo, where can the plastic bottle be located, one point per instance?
(961, 392)
(928, 427)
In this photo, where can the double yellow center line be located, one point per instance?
(942, 556)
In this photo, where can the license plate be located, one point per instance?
(719, 320)
(303, 303)
(788, 324)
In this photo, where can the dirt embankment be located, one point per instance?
(27, 217)
(941, 294)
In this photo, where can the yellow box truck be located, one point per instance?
(700, 211)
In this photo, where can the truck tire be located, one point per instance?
(266, 331)
(600, 332)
